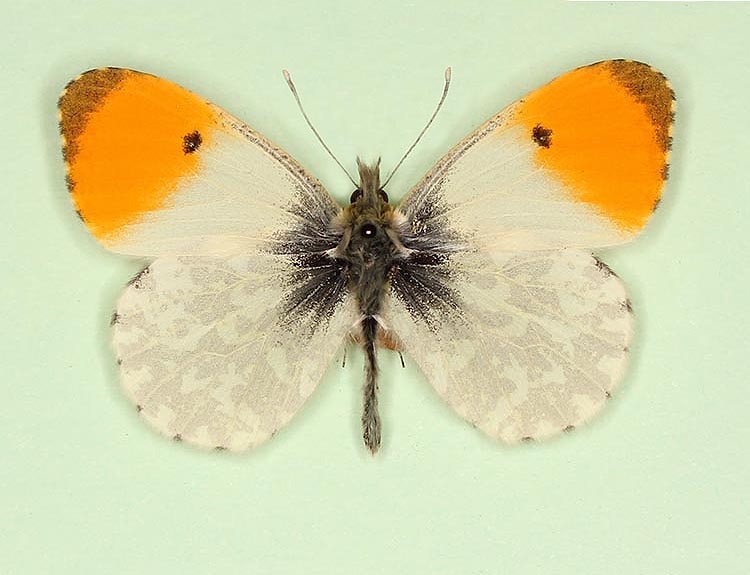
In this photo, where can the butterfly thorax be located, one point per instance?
(369, 244)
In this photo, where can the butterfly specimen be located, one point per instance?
(482, 274)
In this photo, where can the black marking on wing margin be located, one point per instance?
(137, 280)
(603, 267)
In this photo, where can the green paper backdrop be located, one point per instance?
(657, 484)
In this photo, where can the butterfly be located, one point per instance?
(482, 274)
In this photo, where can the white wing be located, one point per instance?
(155, 170)
(524, 346)
(223, 352)
(580, 162)
(216, 352)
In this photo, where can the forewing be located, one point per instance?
(580, 162)
(155, 170)
(223, 352)
(524, 345)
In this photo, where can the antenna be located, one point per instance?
(288, 78)
(429, 122)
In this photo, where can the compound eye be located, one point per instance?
(368, 230)
(356, 194)
(383, 195)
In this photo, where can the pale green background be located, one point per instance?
(657, 484)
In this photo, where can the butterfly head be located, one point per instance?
(369, 209)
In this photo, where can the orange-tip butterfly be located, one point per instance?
(482, 274)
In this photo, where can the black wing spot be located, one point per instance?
(191, 142)
(569, 428)
(114, 319)
(177, 437)
(139, 408)
(542, 136)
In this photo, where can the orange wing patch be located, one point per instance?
(604, 130)
(129, 138)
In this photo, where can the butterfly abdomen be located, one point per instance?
(370, 417)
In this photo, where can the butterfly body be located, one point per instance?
(370, 254)
(369, 244)
(483, 273)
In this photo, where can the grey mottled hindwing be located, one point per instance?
(533, 344)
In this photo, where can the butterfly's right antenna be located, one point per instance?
(288, 78)
(437, 109)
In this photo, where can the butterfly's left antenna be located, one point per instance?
(429, 122)
(288, 78)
